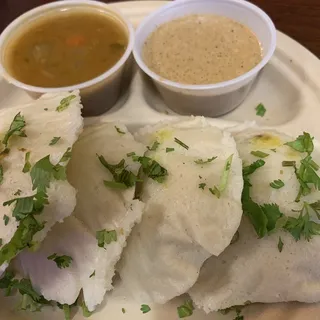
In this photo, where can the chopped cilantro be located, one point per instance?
(303, 225)
(303, 143)
(6, 220)
(202, 185)
(316, 208)
(27, 206)
(288, 163)
(119, 130)
(169, 150)
(54, 141)
(67, 311)
(85, 312)
(200, 161)
(17, 193)
(225, 174)
(260, 110)
(277, 184)
(145, 308)
(130, 154)
(152, 168)
(16, 128)
(31, 300)
(179, 142)
(154, 147)
(185, 310)
(93, 274)
(27, 164)
(259, 154)
(123, 178)
(44, 171)
(273, 150)
(61, 261)
(65, 102)
(106, 237)
(114, 185)
(22, 238)
(280, 244)
(123, 310)
(215, 191)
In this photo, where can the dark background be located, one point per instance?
(300, 19)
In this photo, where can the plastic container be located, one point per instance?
(99, 94)
(213, 99)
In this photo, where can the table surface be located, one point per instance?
(300, 19)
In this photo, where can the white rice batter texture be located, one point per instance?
(182, 224)
(252, 269)
(42, 123)
(98, 208)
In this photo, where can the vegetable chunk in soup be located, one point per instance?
(66, 48)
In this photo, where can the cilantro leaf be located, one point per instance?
(260, 110)
(259, 154)
(119, 130)
(302, 226)
(22, 238)
(66, 156)
(106, 237)
(225, 174)
(17, 193)
(280, 245)
(277, 184)
(288, 163)
(145, 308)
(16, 128)
(65, 102)
(123, 310)
(114, 185)
(185, 310)
(85, 312)
(169, 150)
(67, 311)
(179, 142)
(122, 177)
(253, 167)
(152, 168)
(6, 220)
(61, 261)
(303, 143)
(215, 191)
(54, 141)
(316, 208)
(200, 161)
(202, 185)
(154, 147)
(28, 205)
(30, 298)
(27, 164)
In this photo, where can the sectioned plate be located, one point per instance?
(289, 87)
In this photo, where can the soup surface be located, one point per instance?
(66, 48)
(202, 49)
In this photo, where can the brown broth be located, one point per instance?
(66, 48)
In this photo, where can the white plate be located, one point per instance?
(289, 87)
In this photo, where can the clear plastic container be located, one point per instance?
(97, 95)
(213, 99)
